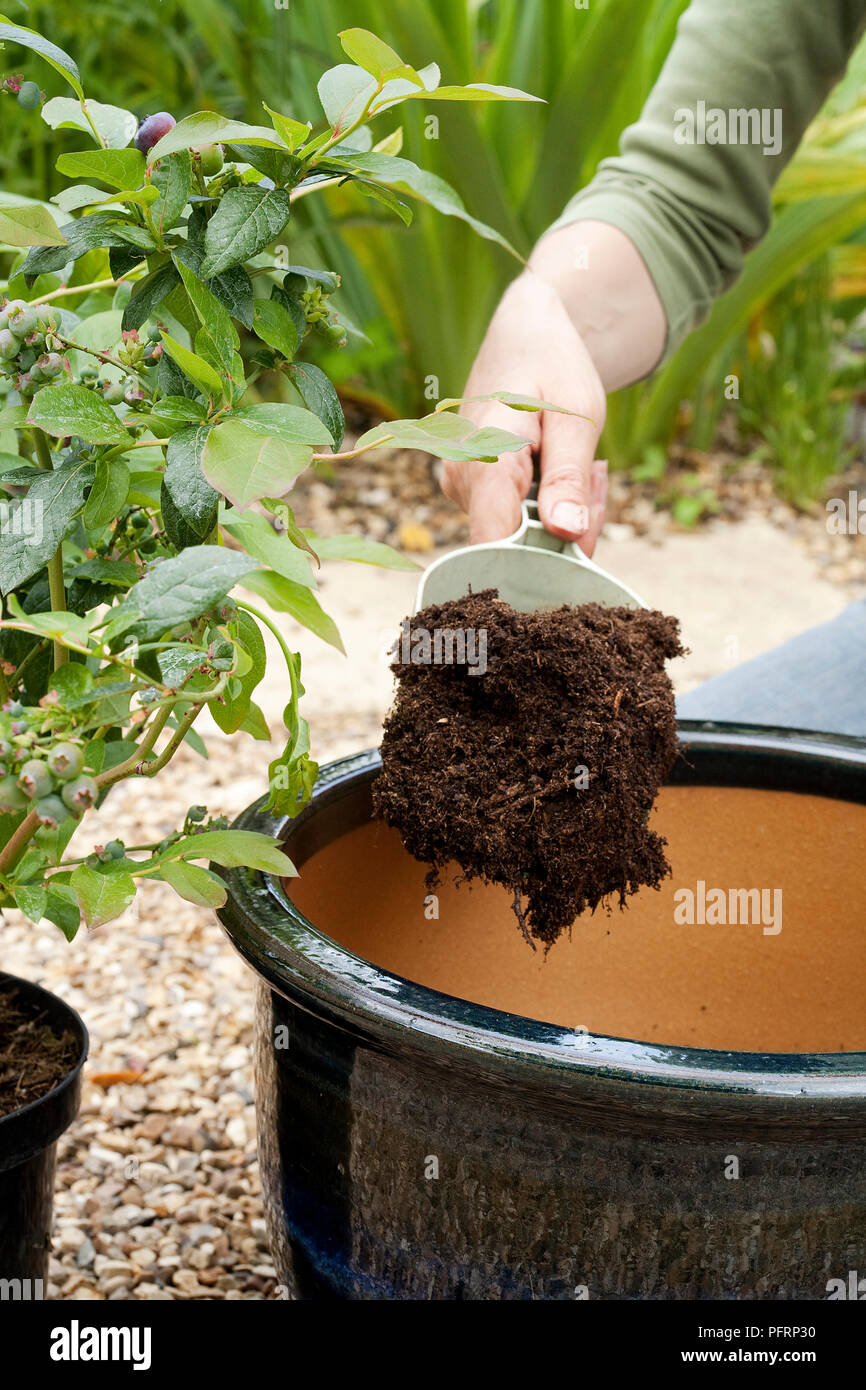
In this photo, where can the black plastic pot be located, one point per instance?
(565, 1170)
(28, 1152)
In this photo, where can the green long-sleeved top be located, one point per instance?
(693, 210)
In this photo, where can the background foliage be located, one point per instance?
(515, 167)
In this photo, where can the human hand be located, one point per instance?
(532, 348)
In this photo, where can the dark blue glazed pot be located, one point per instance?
(569, 1166)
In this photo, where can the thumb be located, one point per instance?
(568, 446)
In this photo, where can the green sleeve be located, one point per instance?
(694, 209)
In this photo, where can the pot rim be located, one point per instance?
(299, 961)
(58, 1106)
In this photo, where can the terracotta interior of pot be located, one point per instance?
(788, 974)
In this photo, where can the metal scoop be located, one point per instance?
(532, 569)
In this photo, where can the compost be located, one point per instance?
(533, 761)
(33, 1059)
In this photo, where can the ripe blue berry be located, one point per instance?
(152, 130)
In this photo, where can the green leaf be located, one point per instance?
(176, 663)
(200, 372)
(446, 436)
(408, 178)
(274, 325)
(218, 335)
(283, 512)
(317, 392)
(51, 503)
(233, 849)
(192, 495)
(70, 409)
(207, 128)
(255, 724)
(362, 551)
(231, 716)
(174, 413)
(245, 465)
(72, 683)
(32, 900)
(292, 133)
(344, 92)
(173, 179)
(108, 494)
(28, 38)
(62, 908)
(120, 573)
(86, 234)
(61, 626)
(512, 398)
(387, 197)
(288, 422)
(119, 168)
(259, 539)
(287, 596)
(185, 587)
(116, 126)
(147, 295)
(246, 221)
(369, 52)
(101, 897)
(83, 195)
(30, 225)
(195, 884)
(475, 91)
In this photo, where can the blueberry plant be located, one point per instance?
(144, 478)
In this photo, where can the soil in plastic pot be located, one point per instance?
(43, 1044)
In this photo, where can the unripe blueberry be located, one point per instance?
(116, 849)
(12, 797)
(51, 812)
(35, 780)
(65, 760)
(152, 130)
(14, 708)
(114, 392)
(29, 96)
(211, 159)
(8, 345)
(21, 317)
(80, 794)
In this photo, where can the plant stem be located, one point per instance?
(15, 845)
(116, 774)
(284, 646)
(103, 357)
(97, 136)
(76, 289)
(56, 587)
(174, 742)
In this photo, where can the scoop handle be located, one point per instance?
(534, 533)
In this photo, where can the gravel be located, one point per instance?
(157, 1193)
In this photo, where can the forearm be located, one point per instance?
(692, 186)
(609, 296)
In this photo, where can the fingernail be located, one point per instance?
(570, 516)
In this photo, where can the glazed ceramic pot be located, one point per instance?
(28, 1151)
(416, 1145)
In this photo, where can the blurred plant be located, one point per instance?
(793, 399)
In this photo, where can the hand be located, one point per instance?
(532, 348)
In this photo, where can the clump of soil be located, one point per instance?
(540, 773)
(33, 1059)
